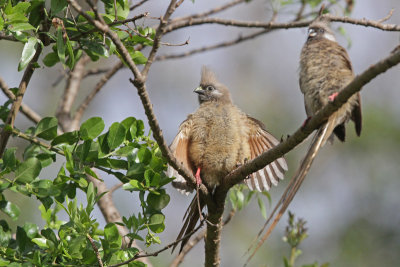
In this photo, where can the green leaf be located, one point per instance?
(111, 233)
(132, 185)
(158, 202)
(42, 188)
(58, 5)
(261, 205)
(21, 7)
(138, 57)
(60, 45)
(71, 56)
(21, 26)
(10, 209)
(66, 138)
(91, 128)
(28, 170)
(9, 159)
(156, 223)
(47, 128)
(1, 23)
(136, 171)
(27, 53)
(50, 59)
(31, 229)
(124, 151)
(144, 155)
(95, 49)
(116, 135)
(41, 242)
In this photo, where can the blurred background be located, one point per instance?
(350, 198)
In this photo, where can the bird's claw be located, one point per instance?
(333, 96)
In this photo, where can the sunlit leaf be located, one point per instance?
(28, 170)
(27, 53)
(91, 128)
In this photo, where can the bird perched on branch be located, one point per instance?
(325, 69)
(216, 139)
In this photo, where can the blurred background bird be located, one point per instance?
(217, 138)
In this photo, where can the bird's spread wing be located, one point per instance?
(179, 148)
(259, 141)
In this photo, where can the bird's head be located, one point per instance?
(212, 90)
(319, 29)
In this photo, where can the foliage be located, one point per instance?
(123, 151)
(295, 233)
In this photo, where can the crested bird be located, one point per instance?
(325, 69)
(216, 139)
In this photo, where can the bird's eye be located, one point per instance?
(209, 88)
(321, 30)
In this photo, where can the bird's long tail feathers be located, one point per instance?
(318, 141)
(191, 218)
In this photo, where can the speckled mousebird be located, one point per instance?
(325, 69)
(216, 139)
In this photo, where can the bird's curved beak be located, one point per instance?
(199, 90)
(312, 32)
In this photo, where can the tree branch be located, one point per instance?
(272, 25)
(70, 92)
(214, 228)
(194, 241)
(5, 135)
(3, 36)
(157, 38)
(95, 250)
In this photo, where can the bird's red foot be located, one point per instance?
(305, 122)
(333, 96)
(198, 179)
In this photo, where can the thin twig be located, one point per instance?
(364, 22)
(25, 109)
(145, 14)
(3, 36)
(272, 25)
(95, 71)
(210, 12)
(82, 107)
(219, 45)
(5, 135)
(157, 38)
(95, 250)
(212, 47)
(115, 187)
(301, 10)
(137, 5)
(154, 254)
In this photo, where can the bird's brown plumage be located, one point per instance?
(325, 69)
(217, 138)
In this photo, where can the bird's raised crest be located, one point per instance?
(208, 77)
